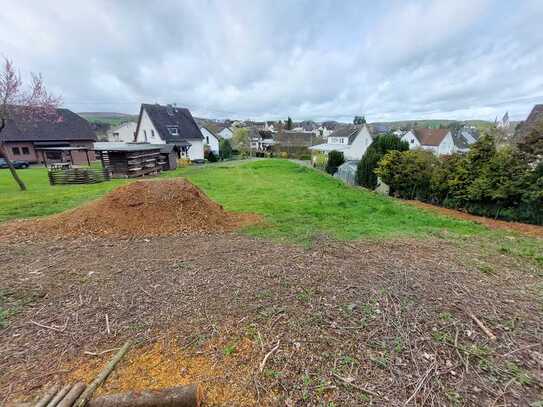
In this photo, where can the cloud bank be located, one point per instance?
(318, 60)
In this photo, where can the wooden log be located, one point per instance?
(72, 395)
(60, 395)
(49, 394)
(87, 394)
(181, 396)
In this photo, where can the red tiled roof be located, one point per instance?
(430, 137)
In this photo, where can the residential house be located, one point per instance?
(211, 139)
(159, 124)
(23, 139)
(124, 133)
(352, 141)
(225, 132)
(535, 117)
(440, 141)
(261, 140)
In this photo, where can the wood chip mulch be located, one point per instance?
(352, 323)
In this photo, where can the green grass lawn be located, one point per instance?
(41, 198)
(297, 203)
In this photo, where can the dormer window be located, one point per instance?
(173, 130)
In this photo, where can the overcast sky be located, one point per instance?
(388, 60)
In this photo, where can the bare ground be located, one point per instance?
(354, 323)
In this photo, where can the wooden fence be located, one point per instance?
(78, 176)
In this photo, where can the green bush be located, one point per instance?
(365, 171)
(498, 182)
(335, 159)
(225, 149)
(211, 157)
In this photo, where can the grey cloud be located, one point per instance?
(306, 59)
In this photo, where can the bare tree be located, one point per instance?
(23, 104)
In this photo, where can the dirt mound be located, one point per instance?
(143, 208)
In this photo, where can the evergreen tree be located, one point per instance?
(359, 120)
(365, 172)
(289, 123)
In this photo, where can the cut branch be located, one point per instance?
(102, 376)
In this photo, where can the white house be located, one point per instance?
(211, 139)
(124, 133)
(226, 133)
(440, 141)
(158, 124)
(351, 140)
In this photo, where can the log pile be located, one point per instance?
(80, 395)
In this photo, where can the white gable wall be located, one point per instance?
(123, 134)
(447, 145)
(411, 139)
(226, 133)
(359, 146)
(210, 140)
(147, 132)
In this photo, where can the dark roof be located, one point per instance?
(535, 114)
(350, 131)
(66, 126)
(430, 137)
(297, 139)
(164, 117)
(459, 140)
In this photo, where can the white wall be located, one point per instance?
(196, 150)
(359, 146)
(123, 133)
(211, 140)
(226, 133)
(411, 139)
(447, 145)
(148, 129)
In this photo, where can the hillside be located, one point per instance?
(110, 118)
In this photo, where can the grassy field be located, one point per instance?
(42, 199)
(300, 204)
(297, 203)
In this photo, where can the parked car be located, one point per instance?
(16, 163)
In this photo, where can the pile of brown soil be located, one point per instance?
(142, 208)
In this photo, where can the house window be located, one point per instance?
(174, 131)
(145, 135)
(152, 133)
(207, 139)
(16, 151)
(26, 151)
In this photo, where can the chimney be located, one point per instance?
(169, 110)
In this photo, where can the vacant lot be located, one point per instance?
(382, 318)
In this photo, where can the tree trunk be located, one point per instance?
(3, 155)
(183, 396)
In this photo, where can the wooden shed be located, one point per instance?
(169, 153)
(130, 160)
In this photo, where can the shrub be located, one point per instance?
(305, 157)
(365, 172)
(212, 157)
(489, 181)
(283, 154)
(225, 149)
(408, 173)
(320, 161)
(335, 159)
